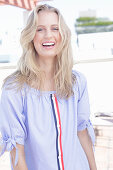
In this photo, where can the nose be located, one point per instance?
(48, 34)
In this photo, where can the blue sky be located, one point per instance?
(11, 17)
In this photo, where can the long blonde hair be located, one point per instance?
(28, 71)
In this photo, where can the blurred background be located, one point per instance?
(91, 24)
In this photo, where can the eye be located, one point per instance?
(55, 29)
(40, 29)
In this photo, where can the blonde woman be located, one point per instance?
(44, 111)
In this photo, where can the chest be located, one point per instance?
(39, 112)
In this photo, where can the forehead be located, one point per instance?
(47, 17)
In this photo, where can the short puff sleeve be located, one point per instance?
(12, 120)
(83, 107)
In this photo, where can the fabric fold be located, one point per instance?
(89, 126)
(91, 131)
(8, 145)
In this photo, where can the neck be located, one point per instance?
(48, 67)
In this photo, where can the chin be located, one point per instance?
(52, 55)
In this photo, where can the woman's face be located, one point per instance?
(47, 38)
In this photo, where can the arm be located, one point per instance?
(12, 124)
(21, 158)
(87, 146)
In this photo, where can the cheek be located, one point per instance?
(36, 41)
(59, 37)
(37, 38)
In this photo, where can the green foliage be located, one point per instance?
(84, 19)
(99, 23)
(93, 24)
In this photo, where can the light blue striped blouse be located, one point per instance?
(47, 126)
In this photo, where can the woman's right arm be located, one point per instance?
(21, 158)
(12, 125)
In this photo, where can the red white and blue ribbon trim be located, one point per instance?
(56, 114)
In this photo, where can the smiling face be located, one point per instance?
(47, 38)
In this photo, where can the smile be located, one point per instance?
(48, 45)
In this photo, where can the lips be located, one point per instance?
(48, 44)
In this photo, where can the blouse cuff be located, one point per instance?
(8, 145)
(89, 126)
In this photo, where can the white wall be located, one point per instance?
(100, 85)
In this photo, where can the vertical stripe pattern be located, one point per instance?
(56, 114)
(26, 4)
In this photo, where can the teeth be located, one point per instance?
(48, 44)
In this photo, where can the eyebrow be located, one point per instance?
(44, 25)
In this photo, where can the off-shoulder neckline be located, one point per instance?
(36, 91)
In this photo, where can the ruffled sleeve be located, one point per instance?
(83, 107)
(12, 120)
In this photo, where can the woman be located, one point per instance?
(44, 105)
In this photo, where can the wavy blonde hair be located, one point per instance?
(29, 72)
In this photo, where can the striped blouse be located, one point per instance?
(47, 126)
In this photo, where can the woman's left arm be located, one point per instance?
(86, 143)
